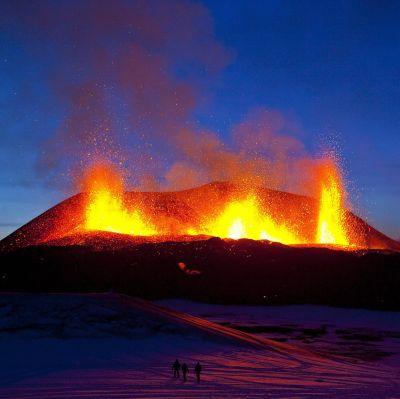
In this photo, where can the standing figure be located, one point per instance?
(185, 371)
(197, 370)
(176, 366)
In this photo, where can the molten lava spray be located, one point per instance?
(332, 214)
(240, 215)
(244, 219)
(105, 209)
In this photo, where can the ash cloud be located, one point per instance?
(129, 76)
(263, 152)
(134, 56)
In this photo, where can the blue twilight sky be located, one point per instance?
(333, 67)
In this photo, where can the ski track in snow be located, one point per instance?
(235, 364)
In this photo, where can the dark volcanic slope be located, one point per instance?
(222, 271)
(181, 210)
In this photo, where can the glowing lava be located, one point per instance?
(331, 220)
(105, 210)
(239, 216)
(243, 219)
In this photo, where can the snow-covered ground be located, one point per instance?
(359, 334)
(110, 346)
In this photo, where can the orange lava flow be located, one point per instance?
(244, 219)
(331, 227)
(105, 210)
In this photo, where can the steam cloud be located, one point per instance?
(130, 76)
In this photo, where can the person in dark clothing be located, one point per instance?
(176, 366)
(185, 371)
(197, 370)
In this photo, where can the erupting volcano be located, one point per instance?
(240, 215)
(195, 179)
(224, 210)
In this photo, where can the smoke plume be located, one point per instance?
(129, 76)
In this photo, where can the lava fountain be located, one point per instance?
(105, 210)
(244, 219)
(331, 227)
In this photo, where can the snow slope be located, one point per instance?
(355, 333)
(111, 346)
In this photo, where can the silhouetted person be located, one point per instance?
(197, 370)
(176, 366)
(185, 371)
